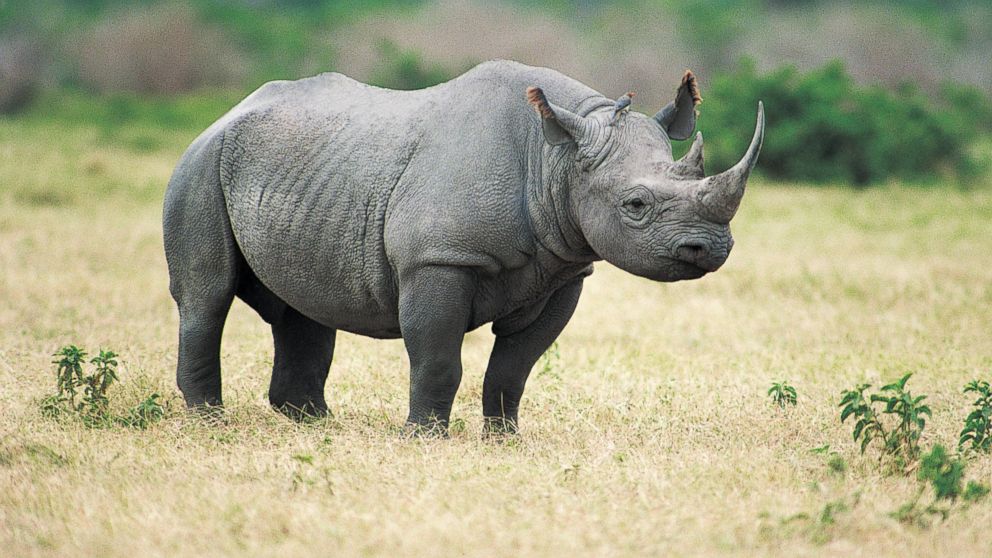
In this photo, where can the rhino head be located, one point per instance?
(636, 206)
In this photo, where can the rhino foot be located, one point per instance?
(303, 411)
(211, 415)
(430, 429)
(497, 428)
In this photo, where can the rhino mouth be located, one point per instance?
(672, 270)
(689, 270)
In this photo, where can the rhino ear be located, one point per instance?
(678, 118)
(560, 125)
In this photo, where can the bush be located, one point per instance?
(161, 51)
(20, 79)
(899, 425)
(93, 405)
(405, 69)
(71, 379)
(944, 474)
(823, 127)
(978, 424)
(782, 394)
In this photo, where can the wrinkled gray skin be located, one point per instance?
(327, 204)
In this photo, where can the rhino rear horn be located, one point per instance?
(693, 159)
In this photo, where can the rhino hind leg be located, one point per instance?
(203, 262)
(198, 370)
(304, 349)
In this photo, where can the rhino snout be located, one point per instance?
(702, 253)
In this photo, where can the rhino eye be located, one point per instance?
(636, 208)
(635, 205)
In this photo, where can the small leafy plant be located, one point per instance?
(835, 462)
(69, 377)
(95, 388)
(86, 394)
(782, 394)
(944, 474)
(71, 380)
(898, 425)
(145, 413)
(978, 424)
(975, 491)
(819, 526)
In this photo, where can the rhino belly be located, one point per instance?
(319, 249)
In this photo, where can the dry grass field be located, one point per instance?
(650, 434)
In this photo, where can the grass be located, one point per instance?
(651, 434)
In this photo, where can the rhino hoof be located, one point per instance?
(304, 412)
(497, 428)
(212, 415)
(432, 430)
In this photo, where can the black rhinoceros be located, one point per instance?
(327, 204)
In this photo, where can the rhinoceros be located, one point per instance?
(326, 204)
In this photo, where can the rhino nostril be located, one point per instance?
(692, 251)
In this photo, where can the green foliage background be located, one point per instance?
(824, 126)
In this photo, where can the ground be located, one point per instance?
(648, 432)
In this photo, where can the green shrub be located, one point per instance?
(69, 374)
(944, 474)
(975, 491)
(782, 394)
(943, 471)
(898, 425)
(96, 385)
(823, 127)
(978, 424)
(405, 69)
(145, 413)
(71, 379)
(92, 407)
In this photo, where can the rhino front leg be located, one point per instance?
(434, 310)
(518, 346)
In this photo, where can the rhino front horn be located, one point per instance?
(722, 193)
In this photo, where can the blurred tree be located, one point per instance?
(822, 127)
(401, 69)
(714, 26)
